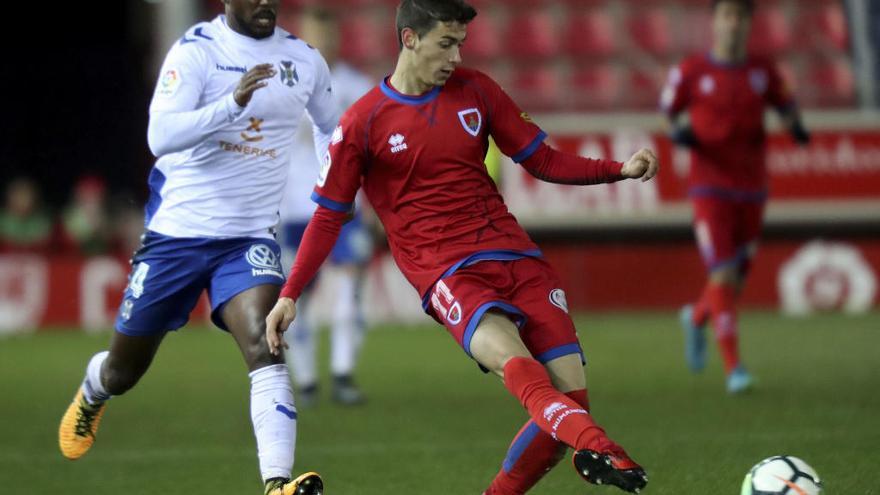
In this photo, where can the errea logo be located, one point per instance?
(397, 143)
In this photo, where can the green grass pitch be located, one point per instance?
(436, 425)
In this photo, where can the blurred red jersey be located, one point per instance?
(726, 103)
(420, 161)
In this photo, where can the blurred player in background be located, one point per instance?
(416, 144)
(230, 97)
(725, 93)
(320, 28)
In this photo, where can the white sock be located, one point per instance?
(302, 343)
(348, 328)
(93, 389)
(274, 418)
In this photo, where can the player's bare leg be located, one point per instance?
(272, 410)
(496, 345)
(108, 373)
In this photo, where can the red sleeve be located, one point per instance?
(675, 96)
(513, 130)
(550, 165)
(779, 93)
(341, 173)
(317, 242)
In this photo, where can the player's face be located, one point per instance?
(438, 52)
(254, 18)
(731, 24)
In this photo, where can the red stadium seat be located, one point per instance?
(595, 88)
(771, 32)
(643, 88)
(832, 83)
(536, 88)
(483, 40)
(531, 35)
(651, 29)
(360, 42)
(590, 34)
(697, 35)
(824, 25)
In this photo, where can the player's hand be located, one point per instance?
(643, 164)
(800, 133)
(683, 136)
(253, 80)
(277, 322)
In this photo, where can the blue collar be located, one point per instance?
(407, 99)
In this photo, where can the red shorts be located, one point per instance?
(727, 231)
(526, 290)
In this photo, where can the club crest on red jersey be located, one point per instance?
(471, 120)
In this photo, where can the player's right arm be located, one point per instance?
(673, 100)
(335, 192)
(177, 122)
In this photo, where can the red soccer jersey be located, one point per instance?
(726, 104)
(420, 161)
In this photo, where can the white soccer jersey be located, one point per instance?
(221, 169)
(348, 87)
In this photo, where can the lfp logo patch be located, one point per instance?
(557, 298)
(471, 120)
(169, 83)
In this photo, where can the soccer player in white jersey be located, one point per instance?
(319, 27)
(230, 97)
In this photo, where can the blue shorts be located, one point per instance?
(168, 275)
(354, 245)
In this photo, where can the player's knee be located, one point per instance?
(256, 349)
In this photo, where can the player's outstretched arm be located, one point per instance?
(317, 242)
(643, 165)
(551, 165)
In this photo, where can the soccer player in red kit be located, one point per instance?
(416, 145)
(726, 92)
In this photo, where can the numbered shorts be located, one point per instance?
(727, 231)
(168, 275)
(526, 290)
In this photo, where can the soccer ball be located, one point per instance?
(782, 475)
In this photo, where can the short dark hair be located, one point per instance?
(749, 5)
(422, 15)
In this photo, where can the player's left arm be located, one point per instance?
(551, 165)
(519, 138)
(779, 95)
(322, 108)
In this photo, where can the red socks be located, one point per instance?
(722, 304)
(702, 310)
(532, 454)
(554, 413)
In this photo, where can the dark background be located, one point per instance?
(76, 98)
